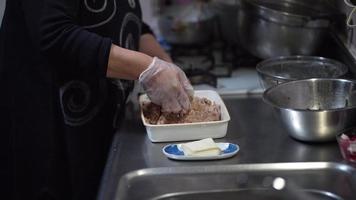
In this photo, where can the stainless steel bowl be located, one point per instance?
(314, 110)
(282, 69)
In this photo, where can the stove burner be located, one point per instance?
(203, 64)
(193, 56)
(192, 50)
(194, 63)
(201, 77)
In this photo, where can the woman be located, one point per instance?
(67, 67)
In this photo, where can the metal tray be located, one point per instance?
(296, 181)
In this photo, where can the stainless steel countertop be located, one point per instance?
(253, 127)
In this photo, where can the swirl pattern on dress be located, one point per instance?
(93, 6)
(79, 103)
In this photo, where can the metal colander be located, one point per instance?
(288, 68)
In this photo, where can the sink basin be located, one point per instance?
(277, 181)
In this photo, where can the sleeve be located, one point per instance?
(63, 41)
(146, 29)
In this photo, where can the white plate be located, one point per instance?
(174, 151)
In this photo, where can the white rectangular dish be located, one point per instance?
(189, 131)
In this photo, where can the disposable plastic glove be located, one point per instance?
(166, 85)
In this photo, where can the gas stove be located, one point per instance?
(224, 68)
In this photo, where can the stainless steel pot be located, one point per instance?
(282, 27)
(187, 24)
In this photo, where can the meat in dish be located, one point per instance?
(202, 110)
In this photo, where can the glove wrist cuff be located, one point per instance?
(142, 75)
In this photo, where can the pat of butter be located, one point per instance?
(204, 147)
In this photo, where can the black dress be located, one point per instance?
(58, 111)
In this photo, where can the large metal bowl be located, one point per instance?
(314, 110)
(282, 69)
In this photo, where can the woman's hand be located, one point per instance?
(166, 85)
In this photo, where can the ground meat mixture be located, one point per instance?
(202, 110)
